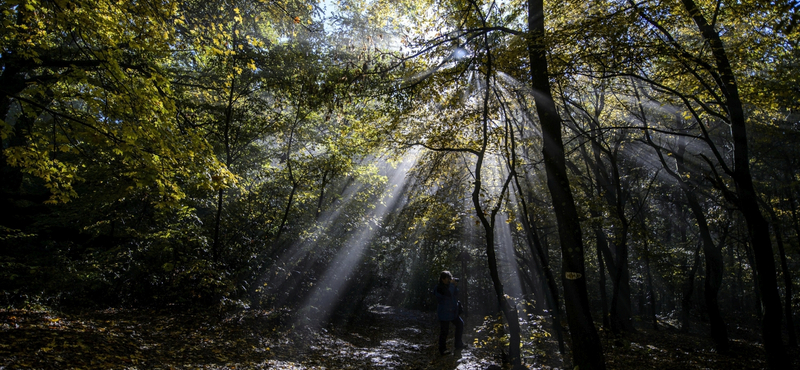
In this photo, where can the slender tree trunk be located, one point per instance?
(215, 247)
(736, 291)
(796, 226)
(688, 292)
(604, 255)
(602, 284)
(292, 179)
(777, 357)
(712, 253)
(509, 312)
(650, 291)
(321, 194)
(713, 258)
(787, 277)
(758, 304)
(464, 257)
(621, 317)
(587, 354)
(543, 267)
(601, 242)
(757, 226)
(285, 217)
(610, 188)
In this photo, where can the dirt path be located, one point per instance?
(397, 338)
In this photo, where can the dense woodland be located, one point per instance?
(589, 170)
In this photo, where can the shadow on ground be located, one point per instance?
(381, 338)
(384, 338)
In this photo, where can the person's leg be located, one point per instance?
(459, 331)
(444, 327)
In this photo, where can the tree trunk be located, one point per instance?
(650, 291)
(787, 277)
(321, 194)
(215, 246)
(587, 354)
(757, 226)
(621, 317)
(294, 182)
(285, 216)
(713, 258)
(465, 282)
(602, 284)
(601, 242)
(543, 266)
(688, 292)
(509, 312)
(610, 188)
(736, 291)
(788, 303)
(758, 306)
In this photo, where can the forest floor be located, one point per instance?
(383, 338)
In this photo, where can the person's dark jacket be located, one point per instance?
(447, 297)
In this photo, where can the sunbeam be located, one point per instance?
(339, 271)
(281, 277)
(504, 242)
(507, 260)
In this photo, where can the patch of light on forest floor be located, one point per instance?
(343, 265)
(273, 364)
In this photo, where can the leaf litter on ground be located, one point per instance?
(382, 338)
(387, 338)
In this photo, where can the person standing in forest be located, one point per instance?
(446, 293)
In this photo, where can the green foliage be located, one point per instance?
(491, 338)
(135, 127)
